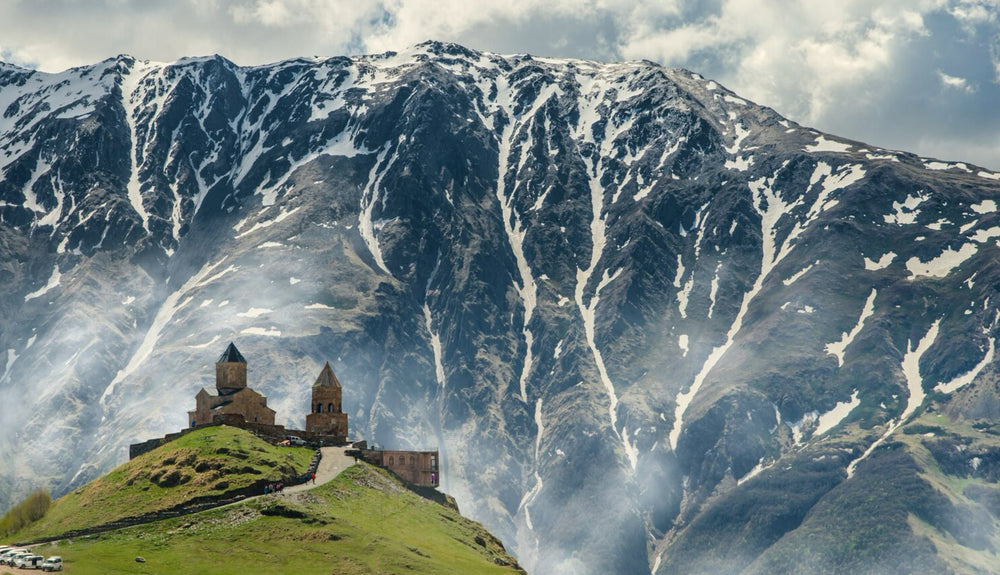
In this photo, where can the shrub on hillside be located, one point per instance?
(28, 511)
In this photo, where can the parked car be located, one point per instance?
(293, 440)
(7, 557)
(13, 559)
(17, 557)
(52, 564)
(29, 561)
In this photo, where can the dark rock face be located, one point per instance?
(640, 316)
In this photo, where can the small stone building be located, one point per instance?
(232, 397)
(326, 416)
(416, 467)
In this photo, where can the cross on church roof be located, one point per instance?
(231, 355)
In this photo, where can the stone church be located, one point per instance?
(235, 403)
(232, 397)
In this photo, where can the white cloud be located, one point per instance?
(957, 83)
(798, 55)
(975, 12)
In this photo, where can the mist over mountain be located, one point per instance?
(651, 326)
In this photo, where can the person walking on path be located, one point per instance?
(314, 478)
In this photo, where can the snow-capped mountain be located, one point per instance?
(652, 326)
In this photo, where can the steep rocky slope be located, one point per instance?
(650, 325)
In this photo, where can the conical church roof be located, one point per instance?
(231, 355)
(327, 378)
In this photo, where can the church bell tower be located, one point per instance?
(230, 370)
(326, 416)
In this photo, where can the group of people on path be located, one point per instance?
(280, 486)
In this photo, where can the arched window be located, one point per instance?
(413, 460)
(319, 408)
(391, 462)
(329, 407)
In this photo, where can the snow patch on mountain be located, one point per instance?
(915, 386)
(800, 427)
(30, 198)
(527, 289)
(11, 358)
(255, 312)
(773, 209)
(215, 339)
(133, 101)
(883, 262)
(985, 206)
(532, 494)
(905, 212)
(714, 291)
(683, 292)
(171, 305)
(369, 198)
(832, 418)
(970, 376)
(935, 165)
(982, 236)
(435, 347)
(911, 369)
(739, 163)
(838, 348)
(798, 275)
(589, 117)
(877, 157)
(262, 331)
(763, 464)
(51, 284)
(942, 265)
(283, 214)
(824, 144)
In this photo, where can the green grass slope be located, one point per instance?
(363, 522)
(207, 461)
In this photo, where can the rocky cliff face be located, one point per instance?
(652, 326)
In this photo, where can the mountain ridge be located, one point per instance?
(613, 294)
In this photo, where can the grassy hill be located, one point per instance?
(363, 522)
(207, 461)
(366, 521)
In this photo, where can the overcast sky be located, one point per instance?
(916, 75)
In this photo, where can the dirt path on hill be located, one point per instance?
(333, 462)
